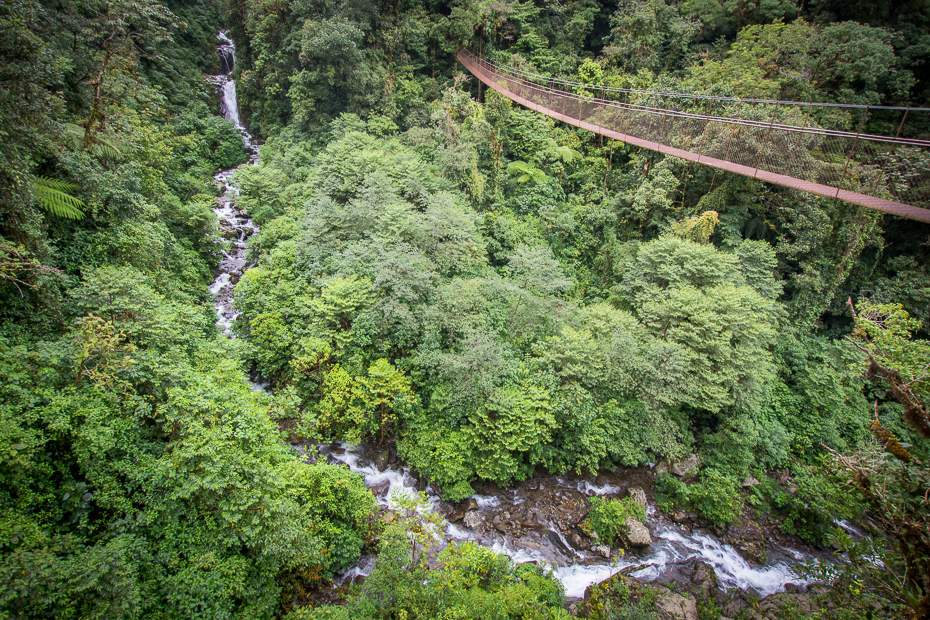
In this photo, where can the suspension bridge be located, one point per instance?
(823, 149)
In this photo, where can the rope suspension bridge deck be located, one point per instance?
(804, 146)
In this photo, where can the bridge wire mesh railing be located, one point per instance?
(827, 147)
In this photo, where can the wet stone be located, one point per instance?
(638, 496)
(637, 534)
(381, 460)
(381, 488)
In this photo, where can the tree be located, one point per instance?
(118, 29)
(892, 474)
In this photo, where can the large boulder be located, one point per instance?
(686, 466)
(638, 495)
(672, 606)
(473, 519)
(637, 534)
(382, 459)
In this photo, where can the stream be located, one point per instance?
(537, 520)
(235, 225)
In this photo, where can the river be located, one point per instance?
(545, 540)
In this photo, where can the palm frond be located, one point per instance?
(54, 197)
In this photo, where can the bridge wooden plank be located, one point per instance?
(827, 191)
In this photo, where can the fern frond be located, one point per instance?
(54, 197)
(73, 136)
(567, 154)
(107, 148)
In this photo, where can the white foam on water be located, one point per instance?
(732, 570)
(576, 578)
(591, 489)
(220, 283)
(363, 569)
(399, 481)
(520, 556)
(486, 501)
(453, 531)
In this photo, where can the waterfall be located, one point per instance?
(235, 225)
(229, 106)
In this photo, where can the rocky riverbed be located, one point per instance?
(539, 520)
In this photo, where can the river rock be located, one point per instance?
(473, 519)
(679, 516)
(661, 468)
(674, 606)
(750, 481)
(685, 466)
(748, 538)
(637, 534)
(693, 577)
(638, 496)
(455, 516)
(602, 550)
(381, 488)
(381, 459)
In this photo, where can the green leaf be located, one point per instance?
(54, 197)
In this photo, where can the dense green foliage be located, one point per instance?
(494, 293)
(607, 518)
(470, 581)
(141, 475)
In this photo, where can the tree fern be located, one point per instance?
(54, 197)
(73, 136)
(526, 172)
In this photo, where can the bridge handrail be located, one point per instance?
(821, 131)
(538, 77)
(855, 167)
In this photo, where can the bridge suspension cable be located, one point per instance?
(823, 149)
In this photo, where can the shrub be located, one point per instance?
(715, 497)
(607, 518)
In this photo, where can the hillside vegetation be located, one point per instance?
(488, 292)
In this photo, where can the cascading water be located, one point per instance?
(235, 225)
(576, 568)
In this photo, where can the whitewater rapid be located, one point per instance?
(233, 222)
(671, 545)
